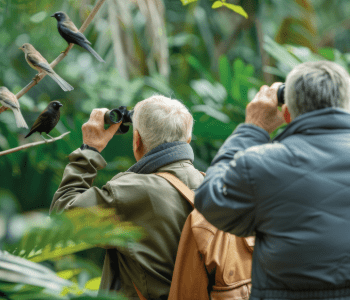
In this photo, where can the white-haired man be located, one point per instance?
(293, 193)
(161, 136)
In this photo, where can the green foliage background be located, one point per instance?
(217, 61)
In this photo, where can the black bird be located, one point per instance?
(47, 120)
(71, 34)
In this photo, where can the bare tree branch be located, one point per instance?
(33, 144)
(40, 76)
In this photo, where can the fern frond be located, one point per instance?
(74, 231)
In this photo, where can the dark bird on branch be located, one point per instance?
(71, 34)
(39, 63)
(47, 120)
(9, 100)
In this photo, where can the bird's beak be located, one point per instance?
(60, 104)
(20, 48)
(53, 16)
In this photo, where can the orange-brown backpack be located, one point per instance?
(210, 264)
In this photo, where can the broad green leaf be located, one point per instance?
(196, 64)
(210, 111)
(73, 289)
(280, 53)
(210, 127)
(238, 68)
(274, 71)
(236, 8)
(93, 284)
(225, 72)
(68, 274)
(185, 2)
(207, 90)
(217, 4)
(327, 53)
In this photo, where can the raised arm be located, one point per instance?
(76, 188)
(227, 198)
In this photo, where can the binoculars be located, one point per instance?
(280, 94)
(118, 115)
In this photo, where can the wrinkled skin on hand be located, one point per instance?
(263, 109)
(94, 134)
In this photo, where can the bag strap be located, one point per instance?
(184, 190)
(139, 293)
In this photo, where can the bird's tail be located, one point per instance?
(29, 134)
(61, 82)
(92, 51)
(19, 119)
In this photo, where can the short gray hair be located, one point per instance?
(315, 85)
(159, 120)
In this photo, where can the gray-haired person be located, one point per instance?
(292, 193)
(161, 136)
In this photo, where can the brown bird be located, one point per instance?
(9, 100)
(47, 120)
(71, 34)
(39, 63)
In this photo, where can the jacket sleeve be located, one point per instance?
(226, 197)
(76, 188)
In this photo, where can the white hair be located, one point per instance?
(316, 85)
(159, 120)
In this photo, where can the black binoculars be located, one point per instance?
(280, 94)
(118, 115)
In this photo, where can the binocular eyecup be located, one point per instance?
(118, 115)
(280, 94)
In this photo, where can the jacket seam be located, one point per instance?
(251, 183)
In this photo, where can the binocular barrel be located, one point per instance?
(118, 115)
(113, 116)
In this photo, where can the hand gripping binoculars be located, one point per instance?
(118, 115)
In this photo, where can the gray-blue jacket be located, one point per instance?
(294, 195)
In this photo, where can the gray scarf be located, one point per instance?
(163, 155)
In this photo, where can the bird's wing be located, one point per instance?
(70, 25)
(8, 103)
(38, 61)
(9, 99)
(43, 118)
(72, 31)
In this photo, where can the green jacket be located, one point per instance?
(146, 200)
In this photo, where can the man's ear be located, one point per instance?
(138, 139)
(286, 114)
(189, 140)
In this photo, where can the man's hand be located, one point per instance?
(263, 109)
(94, 134)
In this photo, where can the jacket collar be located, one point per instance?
(316, 122)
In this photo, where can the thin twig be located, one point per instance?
(61, 56)
(33, 144)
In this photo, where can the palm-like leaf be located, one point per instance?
(25, 280)
(74, 231)
(19, 270)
